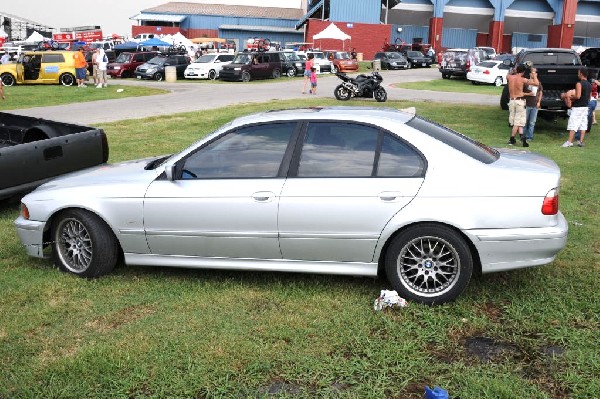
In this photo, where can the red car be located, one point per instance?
(125, 64)
(342, 61)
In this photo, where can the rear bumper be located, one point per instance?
(507, 249)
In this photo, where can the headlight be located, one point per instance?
(237, 69)
(152, 69)
(298, 64)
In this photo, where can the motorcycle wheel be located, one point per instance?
(342, 93)
(380, 95)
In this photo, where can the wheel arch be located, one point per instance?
(390, 239)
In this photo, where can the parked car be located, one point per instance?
(155, 68)
(342, 61)
(457, 62)
(321, 63)
(417, 59)
(208, 66)
(590, 57)
(489, 52)
(125, 64)
(40, 67)
(292, 64)
(340, 190)
(492, 72)
(391, 60)
(249, 65)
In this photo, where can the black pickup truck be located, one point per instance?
(34, 150)
(557, 71)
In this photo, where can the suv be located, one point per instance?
(155, 68)
(45, 67)
(125, 64)
(320, 62)
(391, 60)
(342, 61)
(557, 71)
(292, 64)
(457, 62)
(208, 66)
(250, 65)
(417, 59)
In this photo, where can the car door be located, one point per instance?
(345, 185)
(225, 199)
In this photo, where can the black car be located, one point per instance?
(291, 64)
(155, 68)
(591, 59)
(417, 59)
(457, 62)
(250, 65)
(391, 60)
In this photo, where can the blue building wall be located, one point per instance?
(459, 38)
(242, 36)
(523, 40)
(214, 21)
(409, 32)
(364, 11)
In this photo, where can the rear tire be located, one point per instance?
(380, 95)
(498, 81)
(276, 73)
(66, 79)
(7, 79)
(342, 93)
(212, 74)
(291, 72)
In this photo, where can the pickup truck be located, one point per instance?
(557, 71)
(33, 150)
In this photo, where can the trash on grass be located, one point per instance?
(119, 90)
(389, 299)
(436, 393)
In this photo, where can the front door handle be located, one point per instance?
(263, 196)
(390, 196)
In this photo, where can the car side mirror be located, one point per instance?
(170, 172)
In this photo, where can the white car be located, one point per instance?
(208, 66)
(320, 62)
(342, 190)
(491, 72)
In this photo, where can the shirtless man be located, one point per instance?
(516, 105)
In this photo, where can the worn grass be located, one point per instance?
(28, 96)
(158, 332)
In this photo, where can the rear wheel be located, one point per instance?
(498, 81)
(445, 76)
(212, 74)
(429, 263)
(380, 95)
(7, 79)
(158, 76)
(276, 73)
(245, 76)
(83, 244)
(342, 93)
(67, 79)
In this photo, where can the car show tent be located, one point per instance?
(332, 32)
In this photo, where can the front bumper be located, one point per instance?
(31, 234)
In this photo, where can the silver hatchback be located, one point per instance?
(341, 190)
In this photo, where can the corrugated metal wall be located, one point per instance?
(524, 40)
(242, 36)
(364, 11)
(459, 38)
(410, 32)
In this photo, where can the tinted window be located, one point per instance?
(250, 152)
(224, 58)
(53, 58)
(552, 58)
(138, 58)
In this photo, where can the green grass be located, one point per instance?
(27, 96)
(157, 332)
(452, 85)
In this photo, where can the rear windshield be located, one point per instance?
(458, 141)
(487, 64)
(552, 58)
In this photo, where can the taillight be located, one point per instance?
(24, 211)
(550, 204)
(486, 72)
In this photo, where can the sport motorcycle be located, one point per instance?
(361, 86)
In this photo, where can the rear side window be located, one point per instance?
(53, 58)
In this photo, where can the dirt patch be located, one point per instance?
(487, 349)
(121, 317)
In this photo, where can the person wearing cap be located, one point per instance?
(80, 67)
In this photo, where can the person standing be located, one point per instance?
(95, 65)
(5, 58)
(80, 67)
(532, 104)
(516, 105)
(578, 120)
(102, 63)
(313, 80)
(307, 70)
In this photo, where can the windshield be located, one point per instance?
(157, 61)
(342, 56)
(320, 56)
(291, 57)
(123, 58)
(394, 56)
(552, 58)
(414, 54)
(205, 59)
(242, 59)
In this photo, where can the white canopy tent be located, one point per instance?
(332, 32)
(35, 37)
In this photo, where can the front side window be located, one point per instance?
(249, 152)
(53, 58)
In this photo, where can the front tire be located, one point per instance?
(245, 76)
(498, 81)
(7, 79)
(291, 72)
(212, 74)
(158, 76)
(276, 73)
(380, 95)
(445, 76)
(429, 264)
(342, 93)
(83, 244)
(67, 79)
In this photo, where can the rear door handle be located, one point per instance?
(390, 196)
(263, 196)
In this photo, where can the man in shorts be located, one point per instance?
(578, 120)
(517, 117)
(80, 67)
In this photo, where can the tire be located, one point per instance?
(126, 74)
(212, 74)
(380, 95)
(276, 73)
(8, 79)
(334, 69)
(66, 79)
(158, 76)
(504, 99)
(498, 82)
(429, 264)
(82, 244)
(445, 76)
(474, 82)
(245, 76)
(342, 94)
(291, 72)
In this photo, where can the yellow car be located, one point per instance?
(45, 67)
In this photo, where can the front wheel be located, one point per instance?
(83, 244)
(342, 93)
(380, 95)
(245, 76)
(212, 74)
(67, 79)
(429, 264)
(291, 72)
(276, 73)
(7, 79)
(498, 81)
(158, 76)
